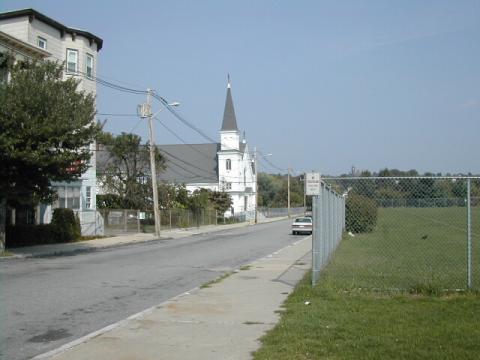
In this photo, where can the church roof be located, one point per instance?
(190, 163)
(185, 163)
(229, 120)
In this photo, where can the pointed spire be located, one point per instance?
(229, 120)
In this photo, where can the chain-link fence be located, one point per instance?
(409, 232)
(121, 221)
(280, 212)
(328, 225)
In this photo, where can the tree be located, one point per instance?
(125, 169)
(221, 201)
(172, 196)
(46, 128)
(273, 190)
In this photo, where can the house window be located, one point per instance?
(88, 197)
(229, 164)
(89, 66)
(68, 197)
(228, 186)
(72, 61)
(42, 43)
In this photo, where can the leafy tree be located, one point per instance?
(113, 201)
(125, 171)
(220, 200)
(273, 190)
(172, 196)
(360, 214)
(46, 128)
(199, 199)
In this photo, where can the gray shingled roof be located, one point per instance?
(229, 119)
(186, 163)
(190, 163)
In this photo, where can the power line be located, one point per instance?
(119, 115)
(270, 163)
(182, 140)
(181, 118)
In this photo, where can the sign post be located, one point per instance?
(313, 188)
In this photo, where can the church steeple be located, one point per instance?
(229, 120)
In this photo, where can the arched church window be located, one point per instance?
(229, 164)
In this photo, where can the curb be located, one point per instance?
(73, 252)
(64, 348)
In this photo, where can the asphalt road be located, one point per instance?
(47, 302)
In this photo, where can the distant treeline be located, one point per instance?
(408, 188)
(273, 188)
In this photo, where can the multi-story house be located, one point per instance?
(28, 33)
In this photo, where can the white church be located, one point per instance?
(226, 166)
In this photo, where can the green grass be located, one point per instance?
(216, 281)
(410, 247)
(92, 237)
(383, 295)
(367, 325)
(6, 254)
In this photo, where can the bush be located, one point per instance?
(361, 214)
(65, 227)
(24, 235)
(67, 224)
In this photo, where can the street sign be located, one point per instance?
(312, 183)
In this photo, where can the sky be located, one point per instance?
(321, 85)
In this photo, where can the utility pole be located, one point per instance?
(288, 192)
(145, 111)
(256, 183)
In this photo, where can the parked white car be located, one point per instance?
(302, 225)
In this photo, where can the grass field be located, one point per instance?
(353, 314)
(410, 247)
(369, 325)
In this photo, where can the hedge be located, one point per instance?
(65, 227)
(361, 214)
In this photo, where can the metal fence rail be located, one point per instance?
(280, 212)
(122, 221)
(408, 233)
(328, 225)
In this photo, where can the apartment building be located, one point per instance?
(29, 33)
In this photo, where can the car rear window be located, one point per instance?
(303, 220)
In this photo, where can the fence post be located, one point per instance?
(469, 236)
(315, 240)
(125, 228)
(138, 221)
(170, 217)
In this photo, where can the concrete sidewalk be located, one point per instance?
(223, 321)
(119, 240)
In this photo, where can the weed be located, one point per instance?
(216, 281)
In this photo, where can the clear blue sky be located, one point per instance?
(319, 84)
